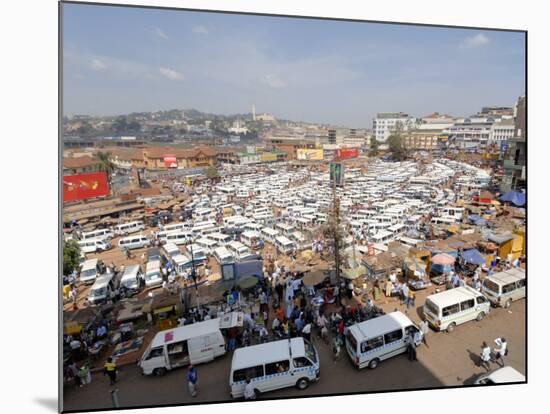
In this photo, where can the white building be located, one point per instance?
(386, 122)
(502, 131)
(238, 127)
(471, 132)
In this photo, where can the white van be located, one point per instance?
(171, 250)
(250, 238)
(274, 365)
(182, 263)
(131, 278)
(452, 307)
(268, 234)
(207, 244)
(191, 344)
(502, 375)
(153, 274)
(239, 250)
(134, 242)
(94, 245)
(284, 245)
(102, 234)
(222, 239)
(89, 271)
(129, 228)
(177, 237)
(370, 342)
(197, 253)
(504, 287)
(103, 289)
(223, 256)
(175, 227)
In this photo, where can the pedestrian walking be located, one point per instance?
(424, 328)
(192, 381)
(405, 294)
(249, 393)
(501, 350)
(485, 356)
(411, 346)
(306, 331)
(110, 369)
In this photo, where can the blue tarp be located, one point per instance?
(436, 269)
(514, 197)
(473, 256)
(478, 221)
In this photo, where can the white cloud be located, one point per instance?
(200, 29)
(161, 34)
(273, 81)
(171, 74)
(97, 65)
(474, 41)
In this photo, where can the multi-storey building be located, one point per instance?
(515, 156)
(387, 122)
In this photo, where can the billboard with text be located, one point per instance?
(344, 153)
(309, 154)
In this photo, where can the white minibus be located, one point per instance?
(223, 255)
(191, 344)
(250, 238)
(220, 238)
(382, 236)
(197, 253)
(274, 365)
(129, 228)
(269, 235)
(131, 279)
(207, 244)
(102, 234)
(504, 375)
(372, 341)
(178, 237)
(284, 245)
(134, 242)
(153, 274)
(175, 226)
(103, 289)
(239, 250)
(94, 245)
(89, 271)
(452, 307)
(182, 264)
(504, 287)
(171, 250)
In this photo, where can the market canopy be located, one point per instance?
(314, 278)
(514, 197)
(443, 259)
(354, 273)
(473, 256)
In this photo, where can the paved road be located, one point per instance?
(449, 359)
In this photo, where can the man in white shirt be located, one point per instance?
(306, 331)
(500, 350)
(249, 393)
(485, 356)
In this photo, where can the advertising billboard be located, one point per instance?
(170, 161)
(309, 154)
(337, 173)
(344, 153)
(84, 186)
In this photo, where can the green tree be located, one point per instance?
(373, 147)
(212, 173)
(71, 256)
(104, 162)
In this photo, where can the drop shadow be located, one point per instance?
(475, 358)
(49, 403)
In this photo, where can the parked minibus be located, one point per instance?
(153, 274)
(178, 237)
(171, 250)
(269, 235)
(129, 228)
(102, 234)
(374, 340)
(251, 239)
(207, 244)
(134, 242)
(223, 255)
(89, 271)
(103, 289)
(194, 344)
(220, 238)
(446, 310)
(131, 279)
(239, 250)
(284, 245)
(504, 287)
(504, 375)
(271, 366)
(94, 245)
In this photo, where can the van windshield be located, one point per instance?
(88, 273)
(129, 282)
(99, 292)
(432, 307)
(491, 285)
(152, 276)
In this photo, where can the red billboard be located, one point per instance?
(170, 161)
(84, 186)
(344, 153)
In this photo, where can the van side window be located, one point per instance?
(510, 287)
(393, 336)
(467, 304)
(252, 372)
(301, 362)
(371, 344)
(450, 310)
(481, 299)
(155, 352)
(276, 367)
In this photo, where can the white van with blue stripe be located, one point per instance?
(288, 363)
(372, 341)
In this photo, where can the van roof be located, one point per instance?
(102, 280)
(89, 264)
(506, 374)
(265, 353)
(152, 266)
(185, 332)
(131, 270)
(380, 325)
(452, 296)
(508, 276)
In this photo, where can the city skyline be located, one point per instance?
(121, 60)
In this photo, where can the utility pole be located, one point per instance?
(336, 227)
(194, 274)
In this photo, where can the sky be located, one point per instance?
(118, 60)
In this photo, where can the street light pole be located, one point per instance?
(194, 274)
